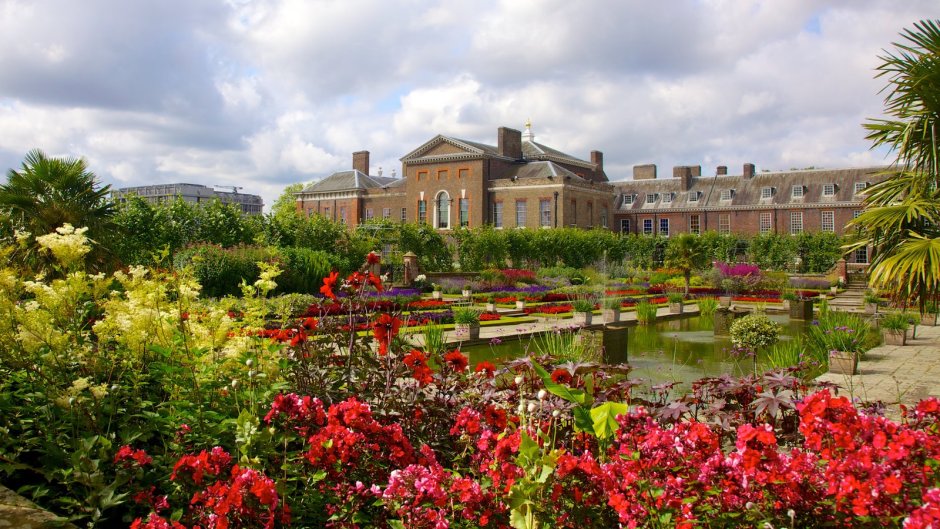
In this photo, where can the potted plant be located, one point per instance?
(491, 303)
(467, 322)
(727, 287)
(753, 333)
(834, 283)
(467, 291)
(675, 302)
(435, 291)
(787, 297)
(611, 310)
(844, 336)
(843, 362)
(801, 308)
(894, 328)
(929, 317)
(871, 302)
(583, 311)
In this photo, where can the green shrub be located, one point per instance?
(646, 312)
(219, 270)
(304, 269)
(896, 321)
(707, 306)
(754, 331)
(839, 331)
(466, 315)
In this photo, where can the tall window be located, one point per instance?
(766, 222)
(520, 213)
(342, 214)
(422, 211)
(647, 226)
(604, 217)
(861, 255)
(724, 223)
(386, 213)
(442, 210)
(828, 223)
(498, 214)
(624, 225)
(368, 213)
(664, 227)
(404, 214)
(796, 222)
(545, 212)
(695, 224)
(590, 212)
(464, 211)
(574, 213)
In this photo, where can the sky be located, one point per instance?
(260, 94)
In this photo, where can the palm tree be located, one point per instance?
(49, 192)
(686, 253)
(902, 213)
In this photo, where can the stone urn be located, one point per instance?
(843, 363)
(801, 309)
(894, 336)
(611, 315)
(582, 318)
(469, 330)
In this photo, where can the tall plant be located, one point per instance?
(902, 218)
(686, 253)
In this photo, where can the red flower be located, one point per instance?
(373, 258)
(128, 456)
(485, 367)
(419, 366)
(561, 376)
(385, 329)
(457, 361)
(328, 284)
(495, 417)
(375, 281)
(310, 323)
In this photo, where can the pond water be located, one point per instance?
(680, 350)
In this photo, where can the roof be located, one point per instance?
(348, 181)
(747, 191)
(540, 169)
(532, 150)
(468, 148)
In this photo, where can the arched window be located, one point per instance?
(442, 210)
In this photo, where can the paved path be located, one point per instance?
(896, 374)
(16, 511)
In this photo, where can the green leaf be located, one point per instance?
(582, 419)
(571, 395)
(604, 418)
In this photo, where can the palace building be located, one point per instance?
(450, 182)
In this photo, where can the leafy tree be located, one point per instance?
(902, 217)
(686, 253)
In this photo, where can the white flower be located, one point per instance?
(556, 413)
(532, 407)
(518, 380)
(542, 394)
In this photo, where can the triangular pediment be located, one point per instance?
(443, 146)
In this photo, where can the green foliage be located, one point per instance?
(707, 306)
(895, 321)
(686, 253)
(839, 331)
(304, 269)
(583, 305)
(219, 270)
(754, 331)
(773, 251)
(646, 312)
(466, 315)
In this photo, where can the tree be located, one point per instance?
(686, 253)
(46, 193)
(902, 218)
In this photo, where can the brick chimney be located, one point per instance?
(510, 143)
(748, 170)
(597, 158)
(696, 170)
(684, 174)
(644, 172)
(722, 170)
(361, 161)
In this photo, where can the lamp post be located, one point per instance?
(556, 209)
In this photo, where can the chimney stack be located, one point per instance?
(361, 161)
(644, 172)
(696, 170)
(597, 158)
(684, 174)
(510, 143)
(748, 170)
(722, 170)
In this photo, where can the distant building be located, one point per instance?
(192, 193)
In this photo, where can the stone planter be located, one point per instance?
(723, 318)
(894, 337)
(582, 318)
(871, 308)
(724, 301)
(833, 290)
(490, 307)
(801, 309)
(611, 315)
(676, 308)
(436, 294)
(520, 304)
(785, 305)
(470, 331)
(843, 363)
(467, 293)
(930, 320)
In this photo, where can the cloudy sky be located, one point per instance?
(264, 93)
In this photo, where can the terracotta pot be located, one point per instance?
(843, 363)
(675, 308)
(582, 318)
(469, 330)
(611, 315)
(894, 337)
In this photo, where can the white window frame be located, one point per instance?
(766, 192)
(651, 198)
(463, 212)
(727, 194)
(386, 213)
(696, 227)
(724, 223)
(647, 226)
(796, 191)
(520, 211)
(545, 212)
(497, 214)
(422, 212)
(860, 186)
(624, 225)
(766, 222)
(829, 190)
(693, 196)
(369, 214)
(603, 217)
(404, 214)
(856, 213)
(664, 227)
(827, 222)
(629, 199)
(667, 198)
(796, 222)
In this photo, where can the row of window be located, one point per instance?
(797, 191)
(827, 223)
(545, 213)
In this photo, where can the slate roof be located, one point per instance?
(541, 169)
(532, 150)
(747, 192)
(350, 180)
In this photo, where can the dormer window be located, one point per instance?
(860, 186)
(651, 198)
(628, 199)
(667, 198)
(829, 190)
(766, 192)
(797, 191)
(727, 194)
(693, 196)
